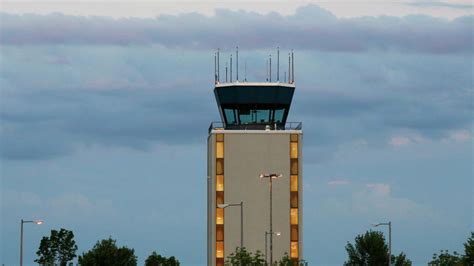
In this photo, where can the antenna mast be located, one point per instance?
(270, 68)
(218, 77)
(237, 63)
(245, 71)
(226, 72)
(278, 64)
(231, 68)
(266, 70)
(289, 68)
(292, 67)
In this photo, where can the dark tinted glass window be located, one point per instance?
(242, 115)
(279, 115)
(230, 116)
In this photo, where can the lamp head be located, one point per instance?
(273, 176)
(222, 206)
(38, 221)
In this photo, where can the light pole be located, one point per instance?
(389, 223)
(270, 178)
(21, 236)
(267, 233)
(241, 204)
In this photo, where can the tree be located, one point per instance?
(45, 254)
(287, 261)
(106, 252)
(371, 249)
(243, 257)
(60, 247)
(401, 260)
(468, 258)
(65, 246)
(444, 258)
(157, 260)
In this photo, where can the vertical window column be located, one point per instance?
(219, 199)
(294, 199)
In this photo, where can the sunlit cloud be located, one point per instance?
(338, 182)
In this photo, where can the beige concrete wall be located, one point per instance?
(247, 154)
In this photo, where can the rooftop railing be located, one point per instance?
(277, 126)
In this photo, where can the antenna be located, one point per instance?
(292, 67)
(237, 63)
(226, 72)
(215, 68)
(289, 68)
(278, 64)
(218, 77)
(270, 69)
(245, 71)
(266, 69)
(231, 68)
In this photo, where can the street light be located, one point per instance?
(267, 233)
(389, 223)
(270, 178)
(241, 204)
(21, 236)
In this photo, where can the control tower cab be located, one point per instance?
(254, 105)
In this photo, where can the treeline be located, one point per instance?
(371, 249)
(60, 249)
(368, 249)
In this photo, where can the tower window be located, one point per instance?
(220, 249)
(293, 216)
(294, 199)
(219, 232)
(219, 166)
(219, 216)
(219, 149)
(294, 249)
(294, 233)
(294, 150)
(294, 166)
(294, 183)
(219, 183)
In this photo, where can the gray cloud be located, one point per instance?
(140, 96)
(117, 118)
(309, 28)
(440, 4)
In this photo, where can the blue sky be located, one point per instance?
(104, 121)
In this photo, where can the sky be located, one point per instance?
(105, 106)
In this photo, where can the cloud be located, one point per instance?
(136, 97)
(309, 28)
(135, 120)
(399, 141)
(379, 189)
(375, 201)
(460, 135)
(57, 98)
(59, 206)
(338, 182)
(429, 4)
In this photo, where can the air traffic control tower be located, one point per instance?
(254, 170)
